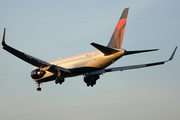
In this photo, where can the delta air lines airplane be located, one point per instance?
(90, 64)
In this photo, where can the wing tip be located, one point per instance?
(92, 43)
(3, 38)
(172, 56)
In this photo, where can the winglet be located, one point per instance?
(172, 56)
(3, 38)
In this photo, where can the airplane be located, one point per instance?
(91, 64)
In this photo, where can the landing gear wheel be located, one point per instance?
(59, 80)
(89, 83)
(39, 88)
(56, 81)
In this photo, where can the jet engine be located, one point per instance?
(37, 73)
(91, 79)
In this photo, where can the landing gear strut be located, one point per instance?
(59, 79)
(39, 88)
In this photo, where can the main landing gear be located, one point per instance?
(59, 80)
(91, 83)
(39, 88)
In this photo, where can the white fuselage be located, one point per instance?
(84, 63)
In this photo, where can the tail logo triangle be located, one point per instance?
(117, 37)
(119, 32)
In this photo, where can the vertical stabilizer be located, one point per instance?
(117, 37)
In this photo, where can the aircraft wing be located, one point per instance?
(32, 60)
(132, 66)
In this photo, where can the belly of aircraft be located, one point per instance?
(74, 72)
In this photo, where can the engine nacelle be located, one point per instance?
(91, 79)
(37, 73)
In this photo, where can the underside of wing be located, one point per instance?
(132, 66)
(32, 60)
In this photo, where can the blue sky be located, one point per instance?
(57, 29)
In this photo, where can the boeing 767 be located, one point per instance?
(91, 64)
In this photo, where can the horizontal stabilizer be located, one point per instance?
(105, 50)
(139, 51)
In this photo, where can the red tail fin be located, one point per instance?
(117, 37)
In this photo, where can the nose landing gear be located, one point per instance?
(39, 88)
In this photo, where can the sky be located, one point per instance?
(51, 29)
